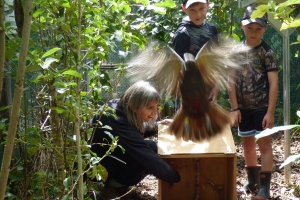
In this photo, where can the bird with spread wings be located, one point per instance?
(191, 78)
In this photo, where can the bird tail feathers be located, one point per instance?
(202, 127)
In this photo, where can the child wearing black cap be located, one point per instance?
(193, 32)
(253, 94)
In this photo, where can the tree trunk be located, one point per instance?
(56, 130)
(2, 45)
(14, 119)
(77, 113)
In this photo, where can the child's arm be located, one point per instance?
(268, 121)
(235, 115)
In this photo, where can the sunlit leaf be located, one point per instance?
(48, 62)
(293, 24)
(65, 4)
(166, 3)
(260, 11)
(268, 131)
(61, 90)
(290, 159)
(72, 73)
(66, 182)
(288, 3)
(50, 52)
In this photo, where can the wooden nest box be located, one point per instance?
(207, 169)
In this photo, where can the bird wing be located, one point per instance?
(216, 57)
(159, 65)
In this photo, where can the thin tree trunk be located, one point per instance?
(77, 113)
(56, 130)
(14, 119)
(2, 45)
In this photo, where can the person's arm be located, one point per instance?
(235, 113)
(135, 146)
(268, 121)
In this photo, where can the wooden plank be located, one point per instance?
(201, 178)
(168, 144)
(185, 189)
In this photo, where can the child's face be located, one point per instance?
(253, 33)
(149, 112)
(196, 12)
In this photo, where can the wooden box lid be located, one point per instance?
(168, 145)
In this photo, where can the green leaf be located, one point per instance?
(38, 12)
(236, 37)
(293, 24)
(65, 4)
(72, 73)
(290, 159)
(66, 197)
(50, 52)
(268, 131)
(32, 68)
(260, 11)
(48, 62)
(288, 3)
(58, 110)
(83, 94)
(166, 4)
(66, 182)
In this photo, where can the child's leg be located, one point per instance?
(247, 131)
(250, 150)
(265, 148)
(252, 169)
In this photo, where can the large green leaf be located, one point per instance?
(293, 24)
(260, 11)
(288, 3)
(50, 52)
(268, 131)
(72, 73)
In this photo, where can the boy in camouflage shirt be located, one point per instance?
(253, 94)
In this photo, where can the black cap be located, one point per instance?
(247, 17)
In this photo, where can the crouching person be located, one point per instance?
(136, 113)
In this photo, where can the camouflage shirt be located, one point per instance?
(252, 85)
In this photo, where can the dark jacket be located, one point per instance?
(189, 38)
(136, 150)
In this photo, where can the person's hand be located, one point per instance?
(166, 121)
(235, 117)
(268, 121)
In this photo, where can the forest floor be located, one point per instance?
(148, 188)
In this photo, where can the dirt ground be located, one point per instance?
(148, 188)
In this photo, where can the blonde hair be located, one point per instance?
(135, 98)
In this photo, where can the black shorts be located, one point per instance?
(251, 123)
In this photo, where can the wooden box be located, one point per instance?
(207, 169)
